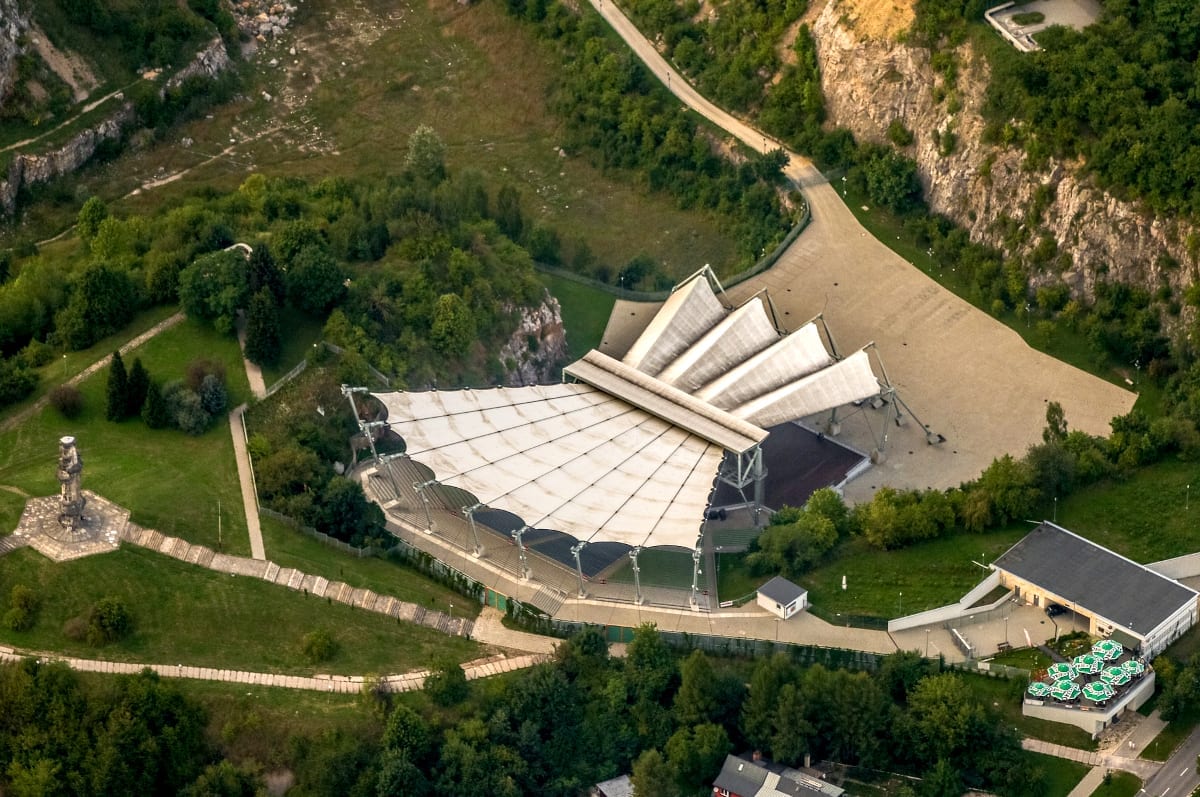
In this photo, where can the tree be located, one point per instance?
(67, 400)
(453, 325)
(263, 344)
(1056, 424)
(705, 695)
(426, 158)
(103, 300)
(653, 776)
(315, 282)
(224, 779)
(318, 646)
(508, 212)
(185, 409)
(214, 398)
(155, 413)
(137, 386)
(90, 215)
(107, 621)
(214, 287)
(447, 684)
(16, 381)
(696, 755)
(118, 389)
(347, 514)
(264, 274)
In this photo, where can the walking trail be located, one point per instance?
(343, 684)
(1118, 751)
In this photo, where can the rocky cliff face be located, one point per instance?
(30, 169)
(985, 188)
(14, 22)
(538, 347)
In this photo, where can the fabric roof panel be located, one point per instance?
(849, 380)
(742, 334)
(689, 312)
(791, 358)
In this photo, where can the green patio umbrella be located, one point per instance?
(1039, 689)
(1097, 691)
(1065, 690)
(1134, 667)
(1115, 676)
(1108, 649)
(1087, 663)
(1062, 670)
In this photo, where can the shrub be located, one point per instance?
(67, 400)
(107, 621)
(76, 629)
(22, 611)
(16, 619)
(898, 134)
(319, 646)
(447, 684)
(199, 368)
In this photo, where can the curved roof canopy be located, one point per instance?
(630, 452)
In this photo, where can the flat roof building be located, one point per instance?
(1121, 598)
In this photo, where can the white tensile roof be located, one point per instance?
(630, 452)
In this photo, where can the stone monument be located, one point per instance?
(70, 472)
(57, 527)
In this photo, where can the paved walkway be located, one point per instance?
(258, 387)
(18, 418)
(968, 376)
(237, 428)
(1118, 751)
(344, 684)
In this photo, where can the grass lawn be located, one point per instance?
(1171, 737)
(734, 580)
(170, 481)
(64, 366)
(660, 568)
(1144, 516)
(1120, 784)
(929, 575)
(11, 506)
(585, 312)
(183, 613)
(289, 548)
(1061, 775)
(1024, 658)
(301, 332)
(1004, 695)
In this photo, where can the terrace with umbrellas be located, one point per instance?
(1106, 673)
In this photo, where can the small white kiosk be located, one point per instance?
(781, 597)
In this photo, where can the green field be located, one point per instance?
(1061, 775)
(585, 312)
(290, 548)
(1147, 516)
(929, 575)
(11, 505)
(183, 613)
(300, 333)
(376, 74)
(1121, 784)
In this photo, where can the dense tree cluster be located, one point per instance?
(294, 450)
(129, 735)
(151, 32)
(584, 717)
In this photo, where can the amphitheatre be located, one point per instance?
(971, 391)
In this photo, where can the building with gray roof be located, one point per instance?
(1121, 598)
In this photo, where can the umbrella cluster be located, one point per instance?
(1061, 677)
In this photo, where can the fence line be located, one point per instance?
(289, 376)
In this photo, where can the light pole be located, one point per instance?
(1006, 630)
(1187, 497)
(927, 643)
(901, 612)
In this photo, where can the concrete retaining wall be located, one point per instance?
(954, 611)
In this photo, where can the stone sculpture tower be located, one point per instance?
(70, 469)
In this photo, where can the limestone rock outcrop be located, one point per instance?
(987, 188)
(14, 22)
(538, 346)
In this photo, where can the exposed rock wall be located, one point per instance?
(538, 347)
(27, 170)
(31, 169)
(870, 83)
(14, 22)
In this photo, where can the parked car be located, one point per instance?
(1055, 609)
